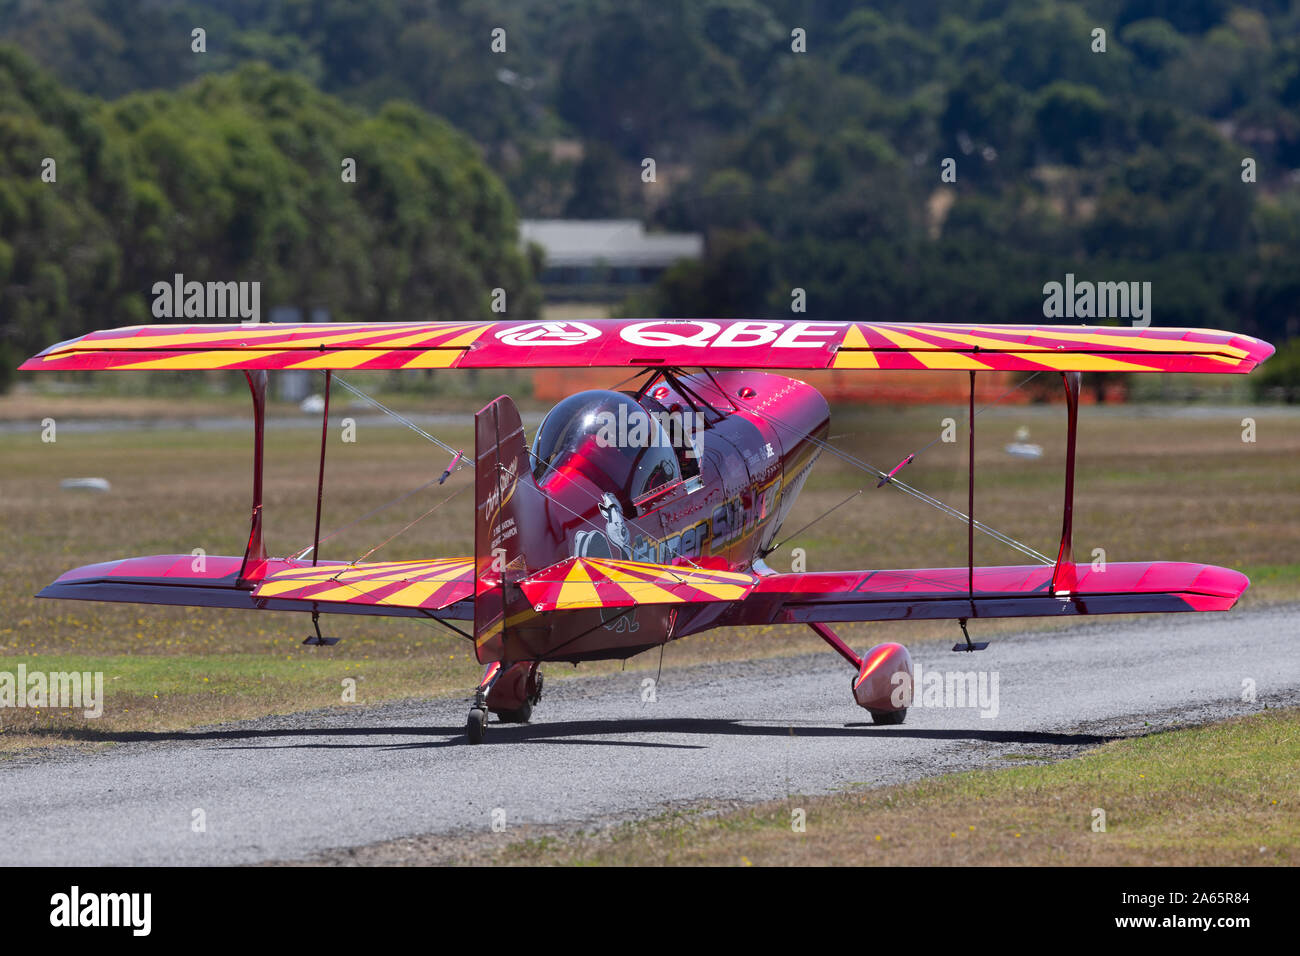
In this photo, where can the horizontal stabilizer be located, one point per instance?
(582, 583)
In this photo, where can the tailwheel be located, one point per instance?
(888, 716)
(520, 715)
(532, 696)
(476, 726)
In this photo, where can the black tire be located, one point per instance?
(520, 715)
(888, 716)
(476, 726)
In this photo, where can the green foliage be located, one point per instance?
(1279, 378)
(238, 177)
(818, 170)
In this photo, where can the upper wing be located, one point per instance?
(1020, 591)
(721, 343)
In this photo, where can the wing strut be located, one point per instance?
(254, 564)
(833, 639)
(320, 479)
(1064, 576)
(970, 498)
(889, 478)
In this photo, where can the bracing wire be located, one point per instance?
(902, 485)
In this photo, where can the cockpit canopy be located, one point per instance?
(610, 439)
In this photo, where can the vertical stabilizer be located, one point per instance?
(503, 491)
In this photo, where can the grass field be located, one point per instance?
(1151, 485)
(1223, 794)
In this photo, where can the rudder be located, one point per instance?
(503, 489)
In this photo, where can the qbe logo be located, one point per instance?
(549, 333)
(75, 908)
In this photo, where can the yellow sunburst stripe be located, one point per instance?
(435, 358)
(323, 576)
(163, 340)
(378, 575)
(617, 571)
(439, 578)
(623, 572)
(855, 360)
(1135, 342)
(1037, 347)
(721, 591)
(345, 592)
(294, 589)
(296, 339)
(338, 358)
(983, 342)
(657, 569)
(577, 588)
(444, 337)
(861, 355)
(1146, 344)
(307, 341)
(272, 588)
(676, 572)
(646, 592)
(328, 571)
(415, 595)
(195, 360)
(463, 341)
(1084, 362)
(931, 355)
(310, 338)
(936, 357)
(642, 591)
(1038, 351)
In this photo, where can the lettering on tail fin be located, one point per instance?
(504, 495)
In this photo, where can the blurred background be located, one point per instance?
(796, 144)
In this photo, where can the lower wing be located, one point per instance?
(442, 587)
(947, 593)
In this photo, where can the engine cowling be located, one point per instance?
(878, 686)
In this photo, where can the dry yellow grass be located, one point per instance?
(1169, 487)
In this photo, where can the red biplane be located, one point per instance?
(641, 516)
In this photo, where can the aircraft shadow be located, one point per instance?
(579, 732)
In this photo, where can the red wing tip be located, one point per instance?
(1260, 351)
(1220, 582)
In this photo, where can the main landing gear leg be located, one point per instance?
(476, 725)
